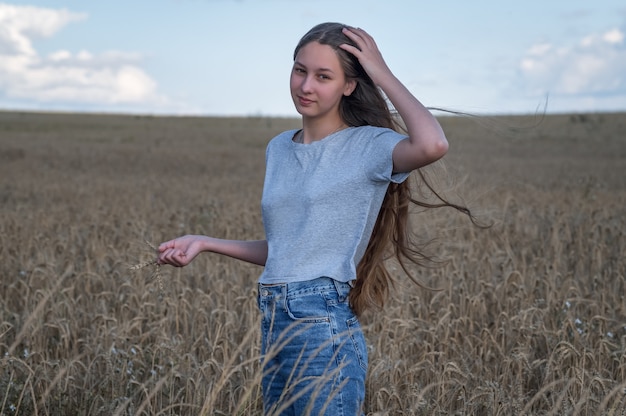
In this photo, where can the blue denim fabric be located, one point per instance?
(314, 352)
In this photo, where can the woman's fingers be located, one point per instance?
(166, 245)
(367, 53)
(360, 37)
(172, 257)
(366, 46)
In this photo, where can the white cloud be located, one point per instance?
(59, 56)
(596, 65)
(613, 36)
(18, 24)
(62, 77)
(539, 49)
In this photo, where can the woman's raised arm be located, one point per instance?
(426, 142)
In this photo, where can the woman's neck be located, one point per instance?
(313, 130)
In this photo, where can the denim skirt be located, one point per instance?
(314, 353)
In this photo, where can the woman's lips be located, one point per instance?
(304, 101)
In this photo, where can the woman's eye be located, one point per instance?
(298, 70)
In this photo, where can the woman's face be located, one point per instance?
(318, 82)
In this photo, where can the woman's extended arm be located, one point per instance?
(181, 251)
(427, 141)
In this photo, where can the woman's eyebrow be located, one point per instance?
(316, 69)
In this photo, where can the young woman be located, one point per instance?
(335, 204)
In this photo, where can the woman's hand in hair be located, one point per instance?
(367, 53)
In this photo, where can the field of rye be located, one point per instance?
(529, 315)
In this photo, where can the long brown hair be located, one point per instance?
(391, 235)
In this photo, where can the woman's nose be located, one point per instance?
(307, 84)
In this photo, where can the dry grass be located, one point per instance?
(530, 319)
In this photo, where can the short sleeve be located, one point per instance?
(380, 157)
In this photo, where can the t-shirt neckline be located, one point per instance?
(317, 142)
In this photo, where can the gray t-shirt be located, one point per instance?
(321, 200)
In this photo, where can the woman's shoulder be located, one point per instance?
(367, 133)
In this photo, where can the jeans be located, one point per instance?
(314, 353)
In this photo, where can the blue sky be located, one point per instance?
(233, 57)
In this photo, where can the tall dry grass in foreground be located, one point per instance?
(530, 318)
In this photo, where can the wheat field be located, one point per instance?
(528, 316)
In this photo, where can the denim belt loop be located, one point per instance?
(340, 287)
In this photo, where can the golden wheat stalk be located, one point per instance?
(156, 272)
(140, 266)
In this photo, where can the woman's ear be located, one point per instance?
(350, 87)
